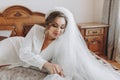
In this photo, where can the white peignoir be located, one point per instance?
(69, 51)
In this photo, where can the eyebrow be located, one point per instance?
(57, 23)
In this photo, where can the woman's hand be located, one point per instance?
(53, 68)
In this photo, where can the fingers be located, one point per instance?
(61, 73)
(59, 70)
(53, 68)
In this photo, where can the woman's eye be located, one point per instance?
(54, 25)
(62, 27)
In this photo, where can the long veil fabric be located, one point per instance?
(73, 55)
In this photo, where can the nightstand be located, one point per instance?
(95, 35)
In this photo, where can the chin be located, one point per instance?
(55, 37)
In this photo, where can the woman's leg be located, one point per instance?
(8, 50)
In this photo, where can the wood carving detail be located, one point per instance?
(20, 17)
(17, 14)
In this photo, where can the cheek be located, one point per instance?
(51, 30)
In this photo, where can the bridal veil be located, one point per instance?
(73, 55)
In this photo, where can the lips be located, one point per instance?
(56, 34)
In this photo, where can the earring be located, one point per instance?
(45, 31)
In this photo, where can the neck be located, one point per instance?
(48, 38)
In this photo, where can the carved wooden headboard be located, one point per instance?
(20, 19)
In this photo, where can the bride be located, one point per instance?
(59, 49)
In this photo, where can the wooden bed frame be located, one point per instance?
(20, 19)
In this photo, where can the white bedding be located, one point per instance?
(21, 73)
(5, 33)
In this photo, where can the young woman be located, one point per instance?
(39, 44)
(60, 49)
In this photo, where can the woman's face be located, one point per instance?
(56, 28)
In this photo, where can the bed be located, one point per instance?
(17, 21)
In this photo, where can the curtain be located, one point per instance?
(111, 17)
(117, 56)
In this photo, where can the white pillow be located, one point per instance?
(5, 33)
(9, 50)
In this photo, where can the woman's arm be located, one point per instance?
(26, 52)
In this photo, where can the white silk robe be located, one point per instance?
(26, 52)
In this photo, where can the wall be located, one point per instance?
(83, 10)
(98, 10)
